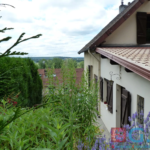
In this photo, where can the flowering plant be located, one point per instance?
(137, 136)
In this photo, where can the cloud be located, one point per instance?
(66, 25)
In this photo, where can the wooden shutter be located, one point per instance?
(96, 80)
(110, 96)
(89, 74)
(141, 20)
(125, 107)
(101, 88)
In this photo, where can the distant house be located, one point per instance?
(57, 73)
(119, 56)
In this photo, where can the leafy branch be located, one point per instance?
(19, 40)
(3, 30)
(6, 5)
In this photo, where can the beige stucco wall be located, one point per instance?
(132, 82)
(126, 33)
(90, 60)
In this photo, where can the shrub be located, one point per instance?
(20, 75)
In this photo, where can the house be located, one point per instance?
(119, 56)
(57, 73)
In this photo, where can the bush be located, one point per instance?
(20, 75)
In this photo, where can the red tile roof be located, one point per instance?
(79, 72)
(136, 59)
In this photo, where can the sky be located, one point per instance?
(66, 25)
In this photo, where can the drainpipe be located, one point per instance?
(98, 71)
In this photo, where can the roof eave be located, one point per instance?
(136, 69)
(113, 25)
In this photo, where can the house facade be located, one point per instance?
(119, 56)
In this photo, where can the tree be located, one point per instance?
(42, 63)
(24, 78)
(3, 77)
(81, 64)
(57, 62)
(71, 63)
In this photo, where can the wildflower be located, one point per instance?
(133, 117)
(133, 124)
(142, 113)
(14, 103)
(129, 118)
(136, 114)
(112, 146)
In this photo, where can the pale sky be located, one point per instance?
(66, 25)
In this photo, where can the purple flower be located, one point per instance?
(136, 114)
(149, 114)
(145, 121)
(133, 124)
(142, 113)
(129, 118)
(127, 126)
(133, 117)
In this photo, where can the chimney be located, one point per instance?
(122, 7)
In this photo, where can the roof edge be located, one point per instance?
(136, 69)
(113, 25)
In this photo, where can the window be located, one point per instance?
(109, 94)
(101, 89)
(125, 107)
(143, 27)
(40, 75)
(96, 80)
(90, 74)
(140, 107)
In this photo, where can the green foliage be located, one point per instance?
(70, 63)
(76, 103)
(20, 75)
(57, 62)
(3, 121)
(67, 115)
(81, 64)
(19, 40)
(42, 63)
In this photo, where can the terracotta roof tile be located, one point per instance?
(136, 55)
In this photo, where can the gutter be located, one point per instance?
(98, 73)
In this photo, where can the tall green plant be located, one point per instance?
(76, 103)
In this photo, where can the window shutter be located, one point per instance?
(96, 80)
(101, 88)
(89, 74)
(141, 20)
(110, 96)
(126, 107)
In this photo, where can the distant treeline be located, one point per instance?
(57, 63)
(37, 59)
